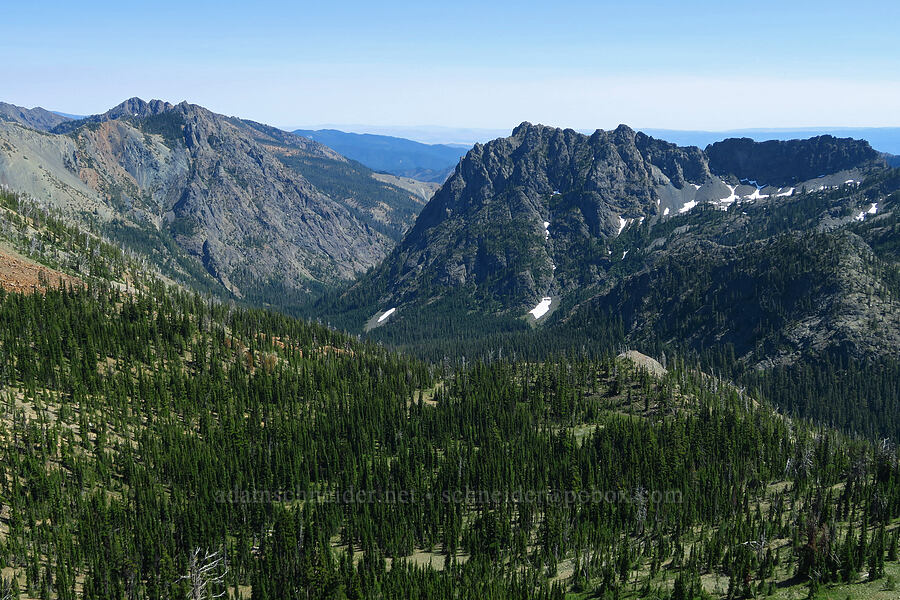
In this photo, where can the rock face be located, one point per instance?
(788, 163)
(221, 188)
(36, 118)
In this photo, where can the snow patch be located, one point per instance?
(546, 230)
(687, 206)
(625, 253)
(873, 209)
(541, 309)
(386, 314)
(666, 212)
(732, 198)
(756, 195)
(860, 217)
(622, 223)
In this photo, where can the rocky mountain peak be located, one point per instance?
(136, 107)
(521, 129)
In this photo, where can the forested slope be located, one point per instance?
(139, 427)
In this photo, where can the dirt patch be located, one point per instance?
(19, 274)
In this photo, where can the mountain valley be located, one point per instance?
(595, 366)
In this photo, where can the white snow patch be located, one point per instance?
(756, 195)
(732, 198)
(386, 314)
(541, 309)
(665, 212)
(546, 230)
(860, 217)
(873, 209)
(696, 187)
(687, 206)
(622, 223)
(624, 254)
(787, 193)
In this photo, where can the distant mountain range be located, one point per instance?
(398, 156)
(883, 139)
(434, 162)
(37, 118)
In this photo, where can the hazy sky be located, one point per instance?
(685, 65)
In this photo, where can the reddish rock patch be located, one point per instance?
(19, 274)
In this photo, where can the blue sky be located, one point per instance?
(678, 65)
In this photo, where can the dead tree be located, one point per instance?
(206, 573)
